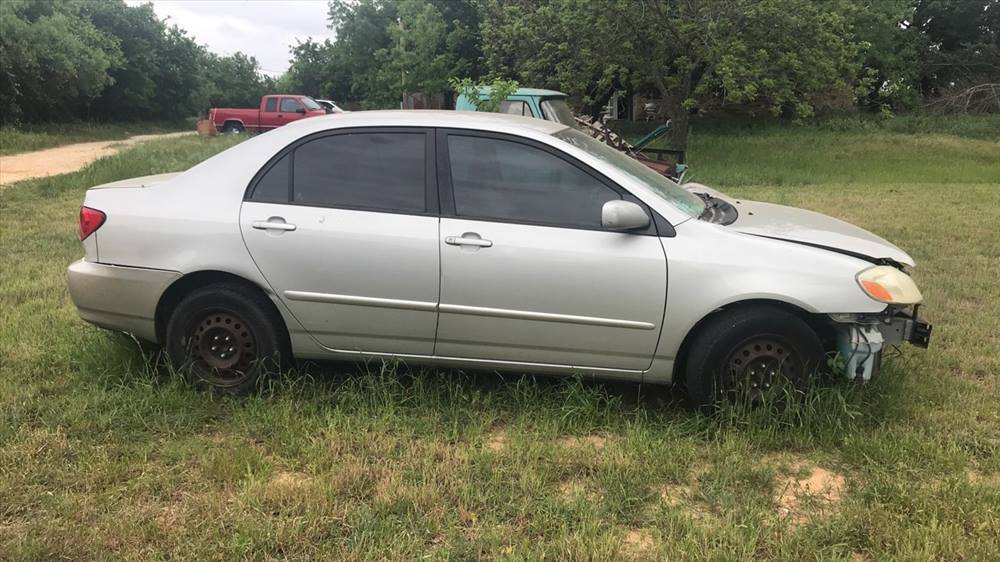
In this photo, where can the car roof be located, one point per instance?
(425, 118)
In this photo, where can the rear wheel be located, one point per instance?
(226, 337)
(233, 127)
(744, 354)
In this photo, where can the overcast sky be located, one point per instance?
(261, 28)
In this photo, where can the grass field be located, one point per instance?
(104, 456)
(36, 137)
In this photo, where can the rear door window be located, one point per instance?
(382, 171)
(271, 105)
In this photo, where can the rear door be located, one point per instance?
(344, 227)
(527, 272)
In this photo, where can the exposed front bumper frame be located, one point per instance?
(118, 297)
(861, 338)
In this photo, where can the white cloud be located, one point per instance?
(264, 29)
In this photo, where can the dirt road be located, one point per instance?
(65, 159)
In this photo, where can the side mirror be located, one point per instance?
(300, 110)
(623, 215)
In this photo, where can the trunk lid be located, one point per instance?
(141, 181)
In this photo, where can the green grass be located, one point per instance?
(104, 455)
(26, 138)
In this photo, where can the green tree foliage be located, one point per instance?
(387, 48)
(782, 56)
(492, 100)
(54, 61)
(237, 81)
(961, 43)
(108, 61)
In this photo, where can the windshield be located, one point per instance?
(309, 102)
(663, 187)
(555, 109)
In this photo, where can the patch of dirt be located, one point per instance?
(596, 441)
(976, 477)
(572, 490)
(675, 495)
(283, 482)
(67, 158)
(169, 516)
(639, 542)
(818, 492)
(497, 440)
(682, 496)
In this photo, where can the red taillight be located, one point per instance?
(90, 220)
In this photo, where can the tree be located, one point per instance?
(237, 81)
(499, 90)
(54, 60)
(961, 43)
(782, 56)
(387, 48)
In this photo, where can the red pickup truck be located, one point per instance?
(275, 110)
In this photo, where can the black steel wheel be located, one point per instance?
(746, 353)
(226, 337)
(223, 347)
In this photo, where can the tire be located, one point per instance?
(741, 354)
(232, 127)
(227, 337)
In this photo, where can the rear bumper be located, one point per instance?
(118, 298)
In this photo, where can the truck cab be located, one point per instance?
(549, 105)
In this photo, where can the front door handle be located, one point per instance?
(273, 224)
(468, 239)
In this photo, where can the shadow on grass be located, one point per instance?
(819, 416)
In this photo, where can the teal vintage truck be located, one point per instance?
(551, 106)
(528, 102)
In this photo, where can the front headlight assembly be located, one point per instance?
(889, 285)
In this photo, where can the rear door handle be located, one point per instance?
(468, 239)
(273, 224)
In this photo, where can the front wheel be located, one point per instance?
(742, 355)
(226, 337)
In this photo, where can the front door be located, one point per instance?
(344, 227)
(527, 272)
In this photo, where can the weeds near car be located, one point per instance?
(104, 453)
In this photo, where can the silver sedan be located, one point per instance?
(483, 241)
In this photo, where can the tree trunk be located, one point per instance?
(680, 122)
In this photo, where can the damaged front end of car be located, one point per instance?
(862, 338)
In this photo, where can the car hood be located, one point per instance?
(141, 181)
(807, 227)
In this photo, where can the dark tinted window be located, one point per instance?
(501, 179)
(273, 185)
(383, 171)
(289, 105)
(271, 104)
